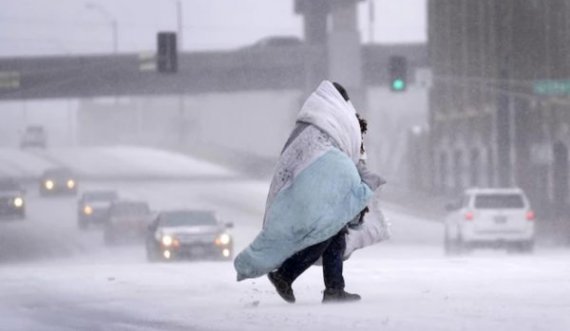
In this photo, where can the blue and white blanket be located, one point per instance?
(316, 189)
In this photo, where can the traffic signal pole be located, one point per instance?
(503, 127)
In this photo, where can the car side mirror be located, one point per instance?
(229, 225)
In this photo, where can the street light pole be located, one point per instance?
(115, 36)
(111, 19)
(371, 18)
(180, 17)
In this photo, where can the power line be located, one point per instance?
(501, 88)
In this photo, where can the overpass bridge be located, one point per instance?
(222, 98)
(132, 74)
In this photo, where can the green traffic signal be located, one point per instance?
(397, 73)
(398, 84)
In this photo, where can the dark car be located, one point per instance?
(56, 181)
(127, 222)
(188, 234)
(12, 201)
(93, 207)
(34, 136)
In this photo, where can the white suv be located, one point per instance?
(490, 218)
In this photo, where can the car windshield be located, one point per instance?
(8, 185)
(58, 173)
(130, 209)
(35, 134)
(35, 129)
(100, 196)
(187, 218)
(499, 201)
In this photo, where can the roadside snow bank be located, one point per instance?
(117, 162)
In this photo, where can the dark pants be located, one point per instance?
(331, 250)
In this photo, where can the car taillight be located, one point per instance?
(530, 215)
(469, 216)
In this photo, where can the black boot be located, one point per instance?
(282, 286)
(331, 295)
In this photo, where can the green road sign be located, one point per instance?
(9, 80)
(552, 87)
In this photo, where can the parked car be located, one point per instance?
(188, 234)
(34, 136)
(497, 217)
(56, 181)
(12, 201)
(278, 41)
(93, 207)
(128, 221)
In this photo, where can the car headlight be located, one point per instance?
(226, 252)
(167, 240)
(224, 239)
(49, 184)
(71, 183)
(87, 210)
(18, 202)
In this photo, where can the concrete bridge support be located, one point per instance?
(334, 51)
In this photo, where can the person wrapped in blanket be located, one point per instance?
(321, 186)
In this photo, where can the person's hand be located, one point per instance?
(359, 219)
(362, 213)
(371, 179)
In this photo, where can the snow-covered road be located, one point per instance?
(406, 284)
(113, 162)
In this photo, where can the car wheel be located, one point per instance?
(528, 247)
(226, 258)
(524, 247)
(451, 246)
(461, 247)
(151, 255)
(447, 245)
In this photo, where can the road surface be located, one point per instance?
(55, 277)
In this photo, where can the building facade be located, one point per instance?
(499, 103)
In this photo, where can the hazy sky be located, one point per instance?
(36, 27)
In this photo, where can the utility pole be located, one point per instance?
(504, 115)
(115, 26)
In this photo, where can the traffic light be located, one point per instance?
(398, 73)
(167, 54)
